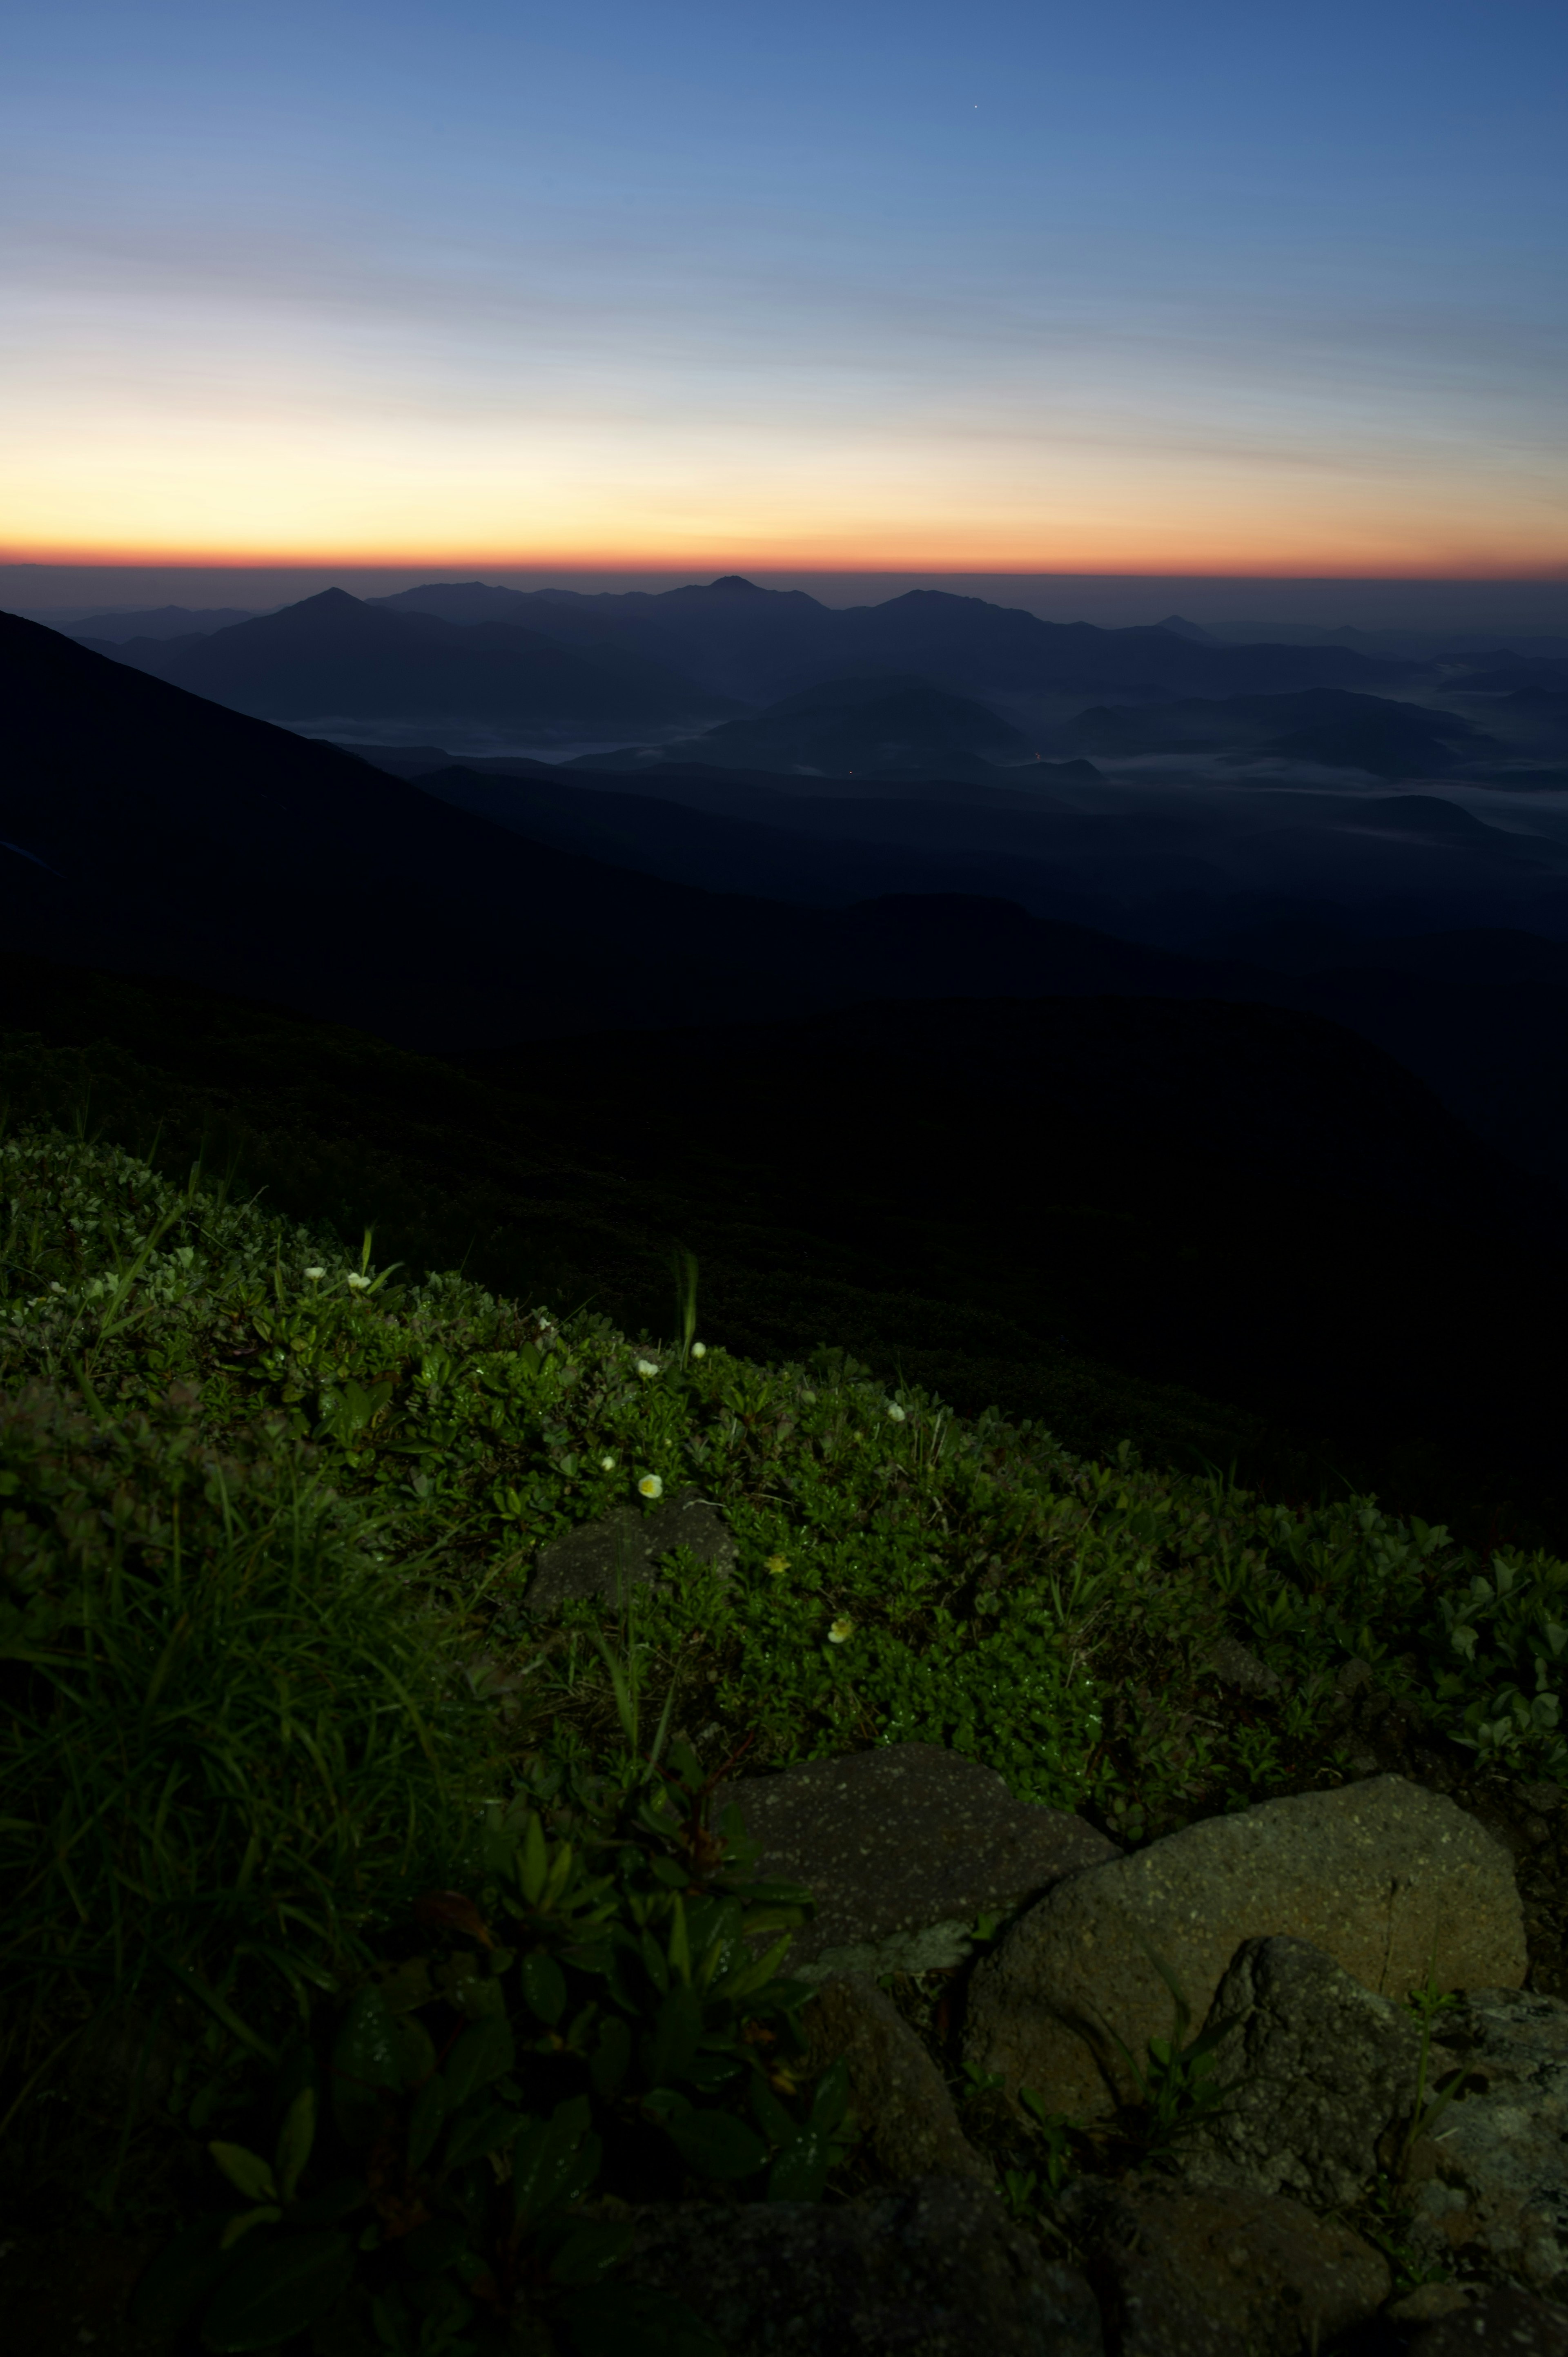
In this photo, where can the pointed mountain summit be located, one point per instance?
(336, 657)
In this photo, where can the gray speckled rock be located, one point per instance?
(1312, 2069)
(901, 1848)
(1496, 2322)
(1495, 2174)
(899, 2095)
(621, 1550)
(935, 2270)
(1382, 1875)
(1181, 2272)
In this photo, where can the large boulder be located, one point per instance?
(899, 2096)
(607, 1559)
(934, 2270)
(1388, 1880)
(1311, 2069)
(1492, 2181)
(901, 1848)
(1186, 2272)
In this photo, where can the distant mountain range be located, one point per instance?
(157, 622)
(553, 660)
(758, 645)
(926, 685)
(336, 657)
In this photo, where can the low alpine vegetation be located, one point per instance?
(268, 1517)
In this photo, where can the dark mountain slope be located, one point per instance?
(334, 654)
(175, 834)
(1063, 1207)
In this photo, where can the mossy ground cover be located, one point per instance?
(270, 1508)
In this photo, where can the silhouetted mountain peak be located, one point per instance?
(735, 581)
(325, 601)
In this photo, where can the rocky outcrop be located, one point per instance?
(623, 1549)
(1311, 2070)
(899, 2096)
(1181, 2272)
(1492, 2182)
(1294, 1930)
(1386, 1878)
(901, 1848)
(935, 2269)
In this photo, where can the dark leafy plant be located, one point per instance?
(1175, 2086)
(490, 2104)
(1426, 2003)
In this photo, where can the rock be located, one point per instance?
(604, 1558)
(901, 1848)
(1500, 2322)
(899, 2095)
(1382, 1875)
(1429, 2303)
(1312, 2069)
(1237, 1666)
(1187, 2273)
(934, 2270)
(1495, 2173)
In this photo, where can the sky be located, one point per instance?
(994, 287)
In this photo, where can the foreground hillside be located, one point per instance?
(1050, 1614)
(289, 1706)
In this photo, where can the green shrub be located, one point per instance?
(415, 2176)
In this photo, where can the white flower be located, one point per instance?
(650, 1486)
(894, 1411)
(360, 1284)
(646, 1367)
(315, 1275)
(607, 1465)
(842, 1631)
(699, 1350)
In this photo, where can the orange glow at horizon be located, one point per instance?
(1170, 557)
(1055, 494)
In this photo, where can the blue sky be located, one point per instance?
(1142, 288)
